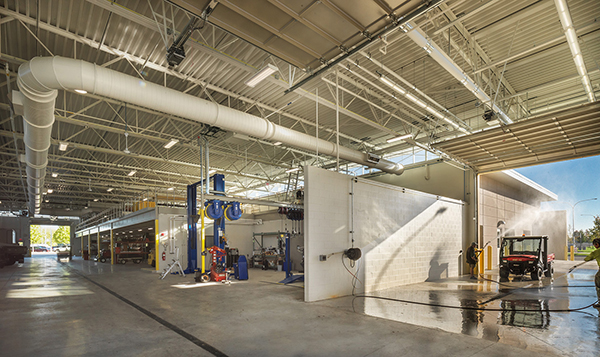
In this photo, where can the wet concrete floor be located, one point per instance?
(552, 315)
(89, 308)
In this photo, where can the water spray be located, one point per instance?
(575, 267)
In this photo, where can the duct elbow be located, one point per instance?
(40, 78)
(390, 167)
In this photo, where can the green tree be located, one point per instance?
(40, 234)
(595, 231)
(35, 235)
(582, 236)
(62, 235)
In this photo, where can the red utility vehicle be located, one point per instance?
(526, 254)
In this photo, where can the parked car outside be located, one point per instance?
(61, 248)
(39, 248)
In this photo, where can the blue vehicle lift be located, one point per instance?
(216, 210)
(289, 277)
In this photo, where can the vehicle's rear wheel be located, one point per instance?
(123, 261)
(536, 274)
(102, 260)
(504, 273)
(137, 261)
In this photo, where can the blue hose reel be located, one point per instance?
(233, 211)
(215, 209)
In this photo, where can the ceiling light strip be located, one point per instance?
(261, 75)
(412, 87)
(171, 143)
(571, 35)
(398, 138)
(420, 103)
(419, 37)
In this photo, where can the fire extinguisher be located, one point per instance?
(164, 255)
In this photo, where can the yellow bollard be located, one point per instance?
(573, 253)
(480, 261)
(489, 257)
(566, 253)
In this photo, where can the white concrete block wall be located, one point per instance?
(405, 237)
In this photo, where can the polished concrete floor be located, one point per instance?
(82, 307)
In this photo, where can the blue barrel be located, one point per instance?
(241, 268)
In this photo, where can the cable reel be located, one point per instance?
(353, 253)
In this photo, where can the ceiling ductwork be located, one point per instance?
(40, 78)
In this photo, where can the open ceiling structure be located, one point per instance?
(490, 84)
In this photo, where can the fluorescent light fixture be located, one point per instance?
(277, 143)
(63, 146)
(81, 91)
(292, 170)
(268, 70)
(419, 102)
(170, 188)
(171, 143)
(131, 173)
(55, 174)
(50, 190)
(95, 200)
(210, 172)
(398, 138)
(567, 24)
(109, 189)
(391, 84)
(145, 199)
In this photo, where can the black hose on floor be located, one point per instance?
(466, 307)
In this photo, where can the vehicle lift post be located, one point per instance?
(192, 219)
(289, 277)
(192, 216)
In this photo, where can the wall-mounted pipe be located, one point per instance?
(40, 78)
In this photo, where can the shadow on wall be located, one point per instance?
(436, 270)
(407, 241)
(387, 225)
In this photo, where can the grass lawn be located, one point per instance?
(585, 252)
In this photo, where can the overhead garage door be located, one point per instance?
(563, 135)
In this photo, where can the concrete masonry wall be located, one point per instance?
(554, 225)
(438, 177)
(20, 225)
(405, 236)
(499, 202)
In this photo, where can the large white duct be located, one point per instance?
(40, 78)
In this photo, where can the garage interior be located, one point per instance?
(278, 177)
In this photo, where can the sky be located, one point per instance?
(572, 181)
